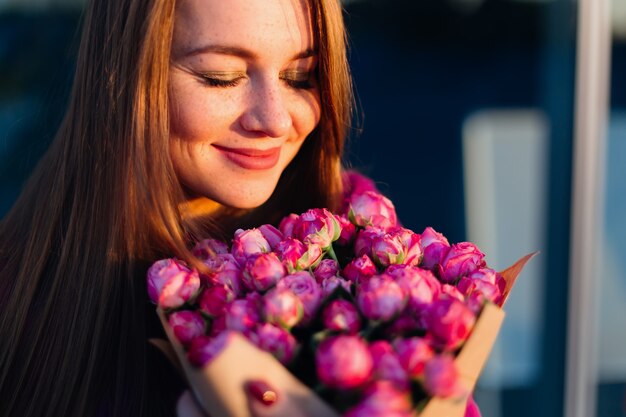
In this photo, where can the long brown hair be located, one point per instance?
(103, 203)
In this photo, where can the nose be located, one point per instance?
(267, 112)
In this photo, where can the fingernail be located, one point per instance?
(262, 392)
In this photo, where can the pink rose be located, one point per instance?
(365, 239)
(287, 225)
(372, 209)
(383, 399)
(487, 291)
(303, 285)
(360, 269)
(283, 308)
(410, 242)
(204, 349)
(272, 235)
(434, 246)
(343, 362)
(275, 340)
(297, 256)
(242, 315)
(213, 300)
(186, 325)
(380, 298)
(462, 259)
(452, 291)
(325, 269)
(405, 323)
(413, 354)
(262, 271)
(387, 365)
(209, 248)
(317, 226)
(355, 183)
(226, 271)
(441, 378)
(387, 250)
(171, 283)
(420, 284)
(348, 230)
(330, 285)
(247, 243)
(341, 316)
(449, 321)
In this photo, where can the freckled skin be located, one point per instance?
(261, 110)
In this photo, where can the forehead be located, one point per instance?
(265, 25)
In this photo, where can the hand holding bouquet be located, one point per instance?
(366, 317)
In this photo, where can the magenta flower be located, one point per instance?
(365, 239)
(242, 315)
(247, 243)
(387, 364)
(452, 291)
(472, 409)
(420, 284)
(341, 316)
(405, 323)
(413, 354)
(226, 271)
(275, 340)
(441, 378)
(380, 298)
(372, 209)
(209, 248)
(272, 235)
(325, 269)
(213, 300)
(317, 226)
(355, 183)
(462, 259)
(186, 325)
(297, 256)
(303, 285)
(262, 271)
(383, 399)
(171, 283)
(434, 246)
(204, 349)
(287, 225)
(343, 362)
(348, 230)
(449, 321)
(330, 284)
(360, 269)
(411, 244)
(387, 249)
(283, 308)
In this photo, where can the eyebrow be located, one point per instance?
(239, 52)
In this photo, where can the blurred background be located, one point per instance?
(467, 122)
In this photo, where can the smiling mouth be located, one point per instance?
(249, 158)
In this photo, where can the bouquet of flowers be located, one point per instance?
(349, 311)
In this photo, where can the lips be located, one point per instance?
(249, 158)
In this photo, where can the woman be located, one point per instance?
(185, 120)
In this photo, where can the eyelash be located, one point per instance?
(207, 79)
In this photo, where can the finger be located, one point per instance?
(187, 406)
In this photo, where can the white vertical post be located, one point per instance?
(592, 103)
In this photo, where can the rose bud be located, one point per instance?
(262, 271)
(325, 269)
(209, 248)
(348, 230)
(441, 378)
(275, 340)
(226, 271)
(330, 285)
(287, 224)
(247, 243)
(303, 285)
(405, 323)
(186, 325)
(242, 315)
(372, 209)
(380, 298)
(297, 256)
(420, 284)
(410, 243)
(365, 239)
(343, 362)
(387, 365)
(383, 399)
(387, 250)
(318, 226)
(272, 235)
(488, 291)
(434, 246)
(355, 183)
(360, 269)
(171, 283)
(449, 321)
(213, 300)
(341, 316)
(283, 308)
(452, 291)
(413, 354)
(462, 259)
(204, 349)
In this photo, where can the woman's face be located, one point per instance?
(243, 95)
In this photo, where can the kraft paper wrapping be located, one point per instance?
(219, 387)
